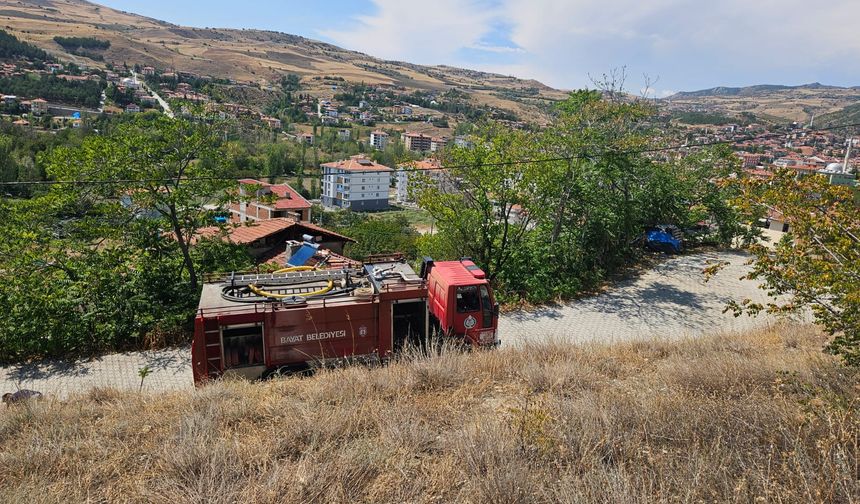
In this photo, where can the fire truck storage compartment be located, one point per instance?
(409, 322)
(243, 349)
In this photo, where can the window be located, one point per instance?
(467, 299)
(487, 304)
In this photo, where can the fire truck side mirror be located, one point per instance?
(426, 264)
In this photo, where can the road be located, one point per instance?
(672, 300)
(164, 105)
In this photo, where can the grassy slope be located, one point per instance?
(727, 418)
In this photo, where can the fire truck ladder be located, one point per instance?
(291, 286)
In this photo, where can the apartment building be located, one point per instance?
(379, 139)
(418, 142)
(429, 169)
(356, 183)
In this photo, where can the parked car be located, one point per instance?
(664, 238)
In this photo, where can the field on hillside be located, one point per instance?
(763, 417)
(773, 105)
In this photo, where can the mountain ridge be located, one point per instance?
(753, 89)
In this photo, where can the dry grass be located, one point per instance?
(759, 417)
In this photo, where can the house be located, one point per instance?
(307, 138)
(344, 134)
(148, 70)
(357, 183)
(268, 239)
(418, 142)
(132, 108)
(463, 142)
(270, 201)
(130, 83)
(408, 173)
(406, 110)
(39, 106)
(272, 122)
(9, 100)
(378, 139)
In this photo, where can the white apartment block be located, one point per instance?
(379, 139)
(408, 174)
(357, 183)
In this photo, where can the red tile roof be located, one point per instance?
(288, 198)
(358, 163)
(425, 164)
(249, 233)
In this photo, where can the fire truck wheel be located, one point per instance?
(284, 371)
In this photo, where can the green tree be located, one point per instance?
(816, 264)
(152, 167)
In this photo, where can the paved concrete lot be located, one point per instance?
(170, 370)
(672, 300)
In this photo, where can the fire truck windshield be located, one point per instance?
(467, 299)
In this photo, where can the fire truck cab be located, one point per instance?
(460, 301)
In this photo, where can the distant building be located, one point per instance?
(148, 70)
(379, 139)
(272, 122)
(356, 183)
(344, 134)
(269, 201)
(463, 142)
(406, 110)
(438, 143)
(751, 160)
(418, 142)
(307, 138)
(132, 108)
(130, 83)
(39, 107)
(407, 175)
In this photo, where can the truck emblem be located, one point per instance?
(362, 331)
(470, 322)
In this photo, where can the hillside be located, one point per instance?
(250, 56)
(769, 103)
(848, 115)
(757, 417)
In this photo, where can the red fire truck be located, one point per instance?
(252, 325)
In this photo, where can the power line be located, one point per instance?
(652, 150)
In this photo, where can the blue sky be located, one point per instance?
(678, 44)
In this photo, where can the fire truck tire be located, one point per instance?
(282, 371)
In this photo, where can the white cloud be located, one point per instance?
(418, 33)
(686, 43)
